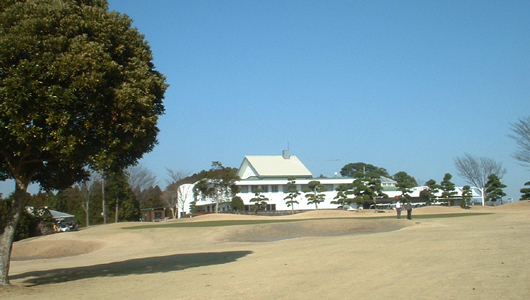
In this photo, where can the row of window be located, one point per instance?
(277, 188)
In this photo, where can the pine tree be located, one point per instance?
(525, 192)
(494, 188)
(448, 188)
(292, 193)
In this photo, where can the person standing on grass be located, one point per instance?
(408, 208)
(398, 208)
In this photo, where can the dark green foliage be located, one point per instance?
(217, 184)
(238, 204)
(448, 189)
(29, 225)
(366, 188)
(292, 193)
(525, 192)
(432, 189)
(467, 195)
(193, 208)
(404, 184)
(494, 188)
(314, 192)
(359, 169)
(77, 88)
(120, 195)
(67, 200)
(260, 201)
(151, 197)
(344, 191)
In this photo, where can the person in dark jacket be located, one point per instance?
(408, 208)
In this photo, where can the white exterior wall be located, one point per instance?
(277, 198)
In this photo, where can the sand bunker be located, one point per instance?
(38, 249)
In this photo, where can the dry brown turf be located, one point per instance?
(314, 255)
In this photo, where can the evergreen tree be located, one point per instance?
(238, 204)
(404, 184)
(292, 193)
(432, 190)
(353, 170)
(448, 188)
(467, 195)
(494, 188)
(259, 200)
(525, 192)
(344, 191)
(217, 184)
(122, 204)
(78, 88)
(367, 188)
(314, 192)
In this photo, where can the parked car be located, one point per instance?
(63, 226)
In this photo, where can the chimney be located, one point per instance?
(286, 154)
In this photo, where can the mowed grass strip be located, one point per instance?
(254, 222)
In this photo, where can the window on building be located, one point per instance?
(244, 188)
(274, 188)
(265, 188)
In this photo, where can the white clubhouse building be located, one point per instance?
(271, 173)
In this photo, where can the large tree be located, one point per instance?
(475, 170)
(367, 188)
(78, 89)
(352, 170)
(404, 184)
(217, 184)
(521, 134)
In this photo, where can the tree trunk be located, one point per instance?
(87, 213)
(6, 240)
(103, 202)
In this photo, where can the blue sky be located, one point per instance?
(404, 85)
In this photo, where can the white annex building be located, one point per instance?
(271, 173)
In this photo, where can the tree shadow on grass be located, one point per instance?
(137, 266)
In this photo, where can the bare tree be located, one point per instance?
(86, 191)
(140, 178)
(521, 134)
(475, 170)
(176, 191)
